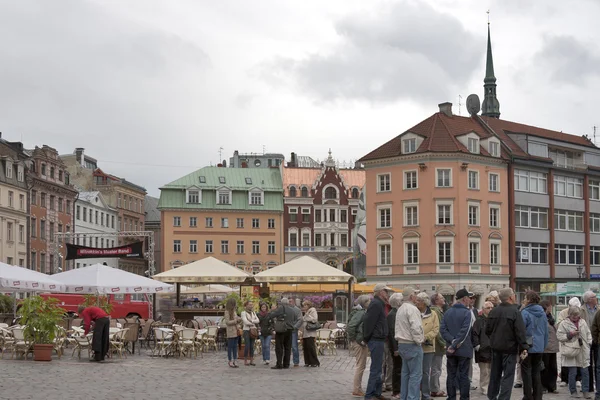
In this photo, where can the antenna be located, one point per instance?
(264, 147)
(220, 153)
(459, 103)
(594, 134)
(488, 13)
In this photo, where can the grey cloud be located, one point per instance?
(406, 50)
(568, 60)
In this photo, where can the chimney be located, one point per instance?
(446, 108)
(224, 163)
(79, 155)
(293, 160)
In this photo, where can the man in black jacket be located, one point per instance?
(375, 333)
(481, 344)
(283, 339)
(506, 330)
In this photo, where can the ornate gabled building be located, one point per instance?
(320, 207)
(52, 200)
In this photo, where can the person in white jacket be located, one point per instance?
(409, 335)
(249, 323)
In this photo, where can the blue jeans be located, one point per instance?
(458, 371)
(266, 347)
(232, 349)
(427, 362)
(585, 379)
(249, 346)
(412, 370)
(295, 352)
(374, 388)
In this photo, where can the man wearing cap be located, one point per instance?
(375, 332)
(409, 335)
(456, 330)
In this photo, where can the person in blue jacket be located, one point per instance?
(456, 331)
(536, 333)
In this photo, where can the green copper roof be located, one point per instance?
(489, 65)
(239, 180)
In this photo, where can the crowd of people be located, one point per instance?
(408, 335)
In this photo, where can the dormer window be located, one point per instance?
(248, 181)
(256, 198)
(20, 174)
(43, 169)
(410, 145)
(202, 179)
(9, 169)
(223, 196)
(474, 145)
(494, 149)
(222, 180)
(193, 196)
(60, 176)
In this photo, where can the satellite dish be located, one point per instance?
(473, 104)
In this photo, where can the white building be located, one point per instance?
(92, 217)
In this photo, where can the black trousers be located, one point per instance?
(310, 351)
(592, 367)
(502, 375)
(396, 373)
(283, 348)
(100, 340)
(531, 373)
(550, 371)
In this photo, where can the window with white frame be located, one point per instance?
(255, 223)
(444, 177)
(176, 246)
(494, 180)
(494, 216)
(473, 214)
(344, 240)
(208, 246)
(9, 169)
(530, 181)
(225, 246)
(567, 254)
(224, 197)
(444, 214)
(473, 180)
(208, 222)
(411, 214)
(473, 251)
(385, 217)
(444, 251)
(494, 148)
(531, 253)
(193, 246)
(239, 248)
(562, 158)
(271, 248)
(293, 238)
(594, 223)
(193, 196)
(410, 145)
(568, 220)
(256, 198)
(410, 180)
(411, 251)
(255, 247)
(239, 222)
(305, 239)
(384, 182)
(293, 212)
(531, 217)
(494, 253)
(306, 215)
(594, 190)
(222, 180)
(271, 223)
(176, 221)
(224, 222)
(193, 222)
(385, 253)
(595, 255)
(566, 186)
(473, 145)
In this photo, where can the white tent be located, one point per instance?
(208, 289)
(102, 279)
(304, 269)
(208, 270)
(20, 279)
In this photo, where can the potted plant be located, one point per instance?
(40, 317)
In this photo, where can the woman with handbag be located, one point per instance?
(266, 331)
(249, 321)
(231, 322)
(309, 333)
(575, 339)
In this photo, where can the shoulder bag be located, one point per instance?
(280, 324)
(313, 326)
(253, 329)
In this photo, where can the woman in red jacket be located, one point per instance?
(100, 341)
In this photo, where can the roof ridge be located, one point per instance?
(456, 142)
(431, 133)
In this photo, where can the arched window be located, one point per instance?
(330, 193)
(304, 191)
(292, 191)
(355, 193)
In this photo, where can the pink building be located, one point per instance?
(437, 217)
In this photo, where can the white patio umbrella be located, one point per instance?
(102, 279)
(20, 279)
(208, 289)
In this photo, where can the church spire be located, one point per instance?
(490, 106)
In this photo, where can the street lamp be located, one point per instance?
(580, 271)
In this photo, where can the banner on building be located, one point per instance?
(133, 250)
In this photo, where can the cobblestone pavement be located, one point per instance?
(144, 377)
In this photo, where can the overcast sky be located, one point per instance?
(153, 88)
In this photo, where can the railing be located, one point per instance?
(338, 249)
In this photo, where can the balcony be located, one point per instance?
(331, 225)
(322, 249)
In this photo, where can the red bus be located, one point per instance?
(124, 305)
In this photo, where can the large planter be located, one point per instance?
(42, 352)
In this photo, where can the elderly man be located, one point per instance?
(358, 348)
(483, 350)
(456, 330)
(588, 312)
(437, 305)
(295, 353)
(395, 303)
(283, 339)
(409, 335)
(506, 330)
(375, 333)
(100, 340)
